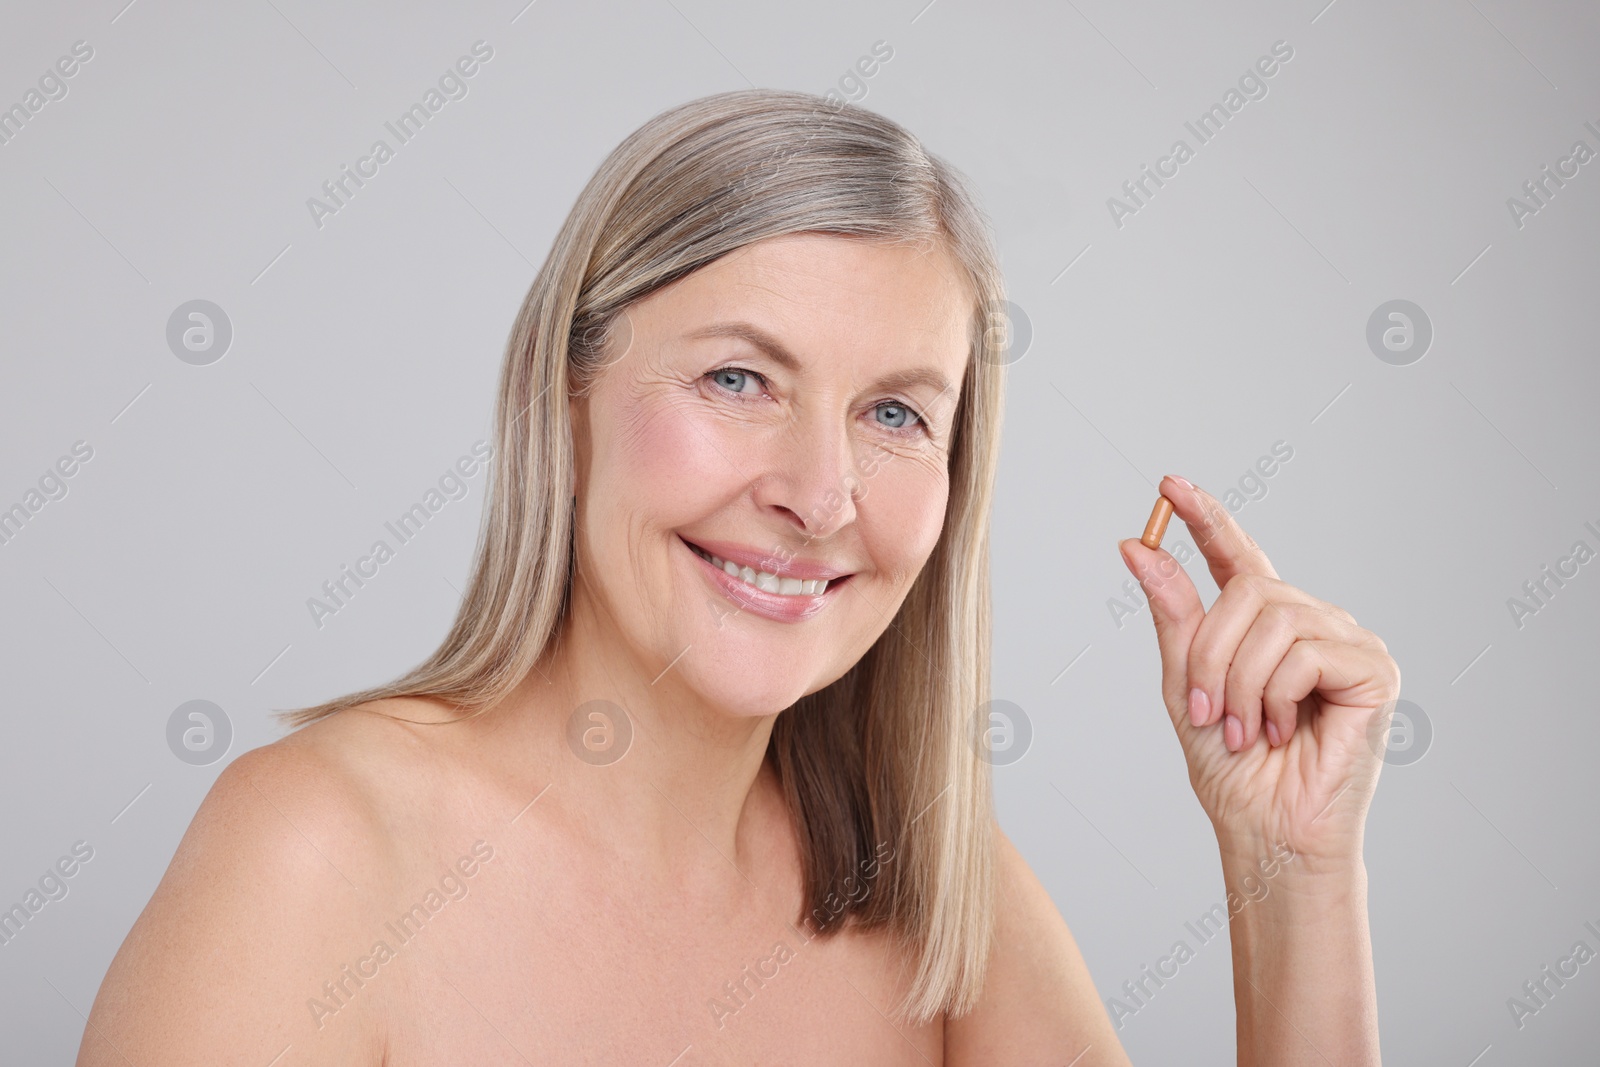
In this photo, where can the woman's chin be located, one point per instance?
(746, 696)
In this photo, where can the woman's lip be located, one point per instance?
(776, 606)
(746, 556)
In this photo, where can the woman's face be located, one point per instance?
(787, 409)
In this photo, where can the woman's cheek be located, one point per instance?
(665, 453)
(903, 509)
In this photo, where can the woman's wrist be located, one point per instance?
(1334, 868)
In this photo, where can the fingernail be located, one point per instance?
(1232, 732)
(1199, 707)
(1181, 481)
(1272, 733)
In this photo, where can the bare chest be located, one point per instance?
(534, 962)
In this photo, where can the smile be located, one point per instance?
(767, 583)
(779, 597)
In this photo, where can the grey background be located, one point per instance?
(1229, 313)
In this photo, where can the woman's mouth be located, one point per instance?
(762, 580)
(766, 594)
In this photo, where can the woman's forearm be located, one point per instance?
(1303, 985)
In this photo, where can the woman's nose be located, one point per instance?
(811, 474)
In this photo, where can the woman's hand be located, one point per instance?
(1273, 694)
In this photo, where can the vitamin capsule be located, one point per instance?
(1156, 528)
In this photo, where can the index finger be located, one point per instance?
(1227, 548)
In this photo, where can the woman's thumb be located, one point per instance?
(1176, 610)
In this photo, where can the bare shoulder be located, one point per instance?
(289, 851)
(1039, 1003)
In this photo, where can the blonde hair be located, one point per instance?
(891, 752)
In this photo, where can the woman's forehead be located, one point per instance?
(824, 293)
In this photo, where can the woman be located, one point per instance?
(697, 776)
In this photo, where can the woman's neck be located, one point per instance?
(660, 770)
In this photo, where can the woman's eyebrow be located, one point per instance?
(774, 350)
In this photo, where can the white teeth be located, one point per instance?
(770, 583)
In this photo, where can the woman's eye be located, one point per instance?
(897, 416)
(733, 379)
